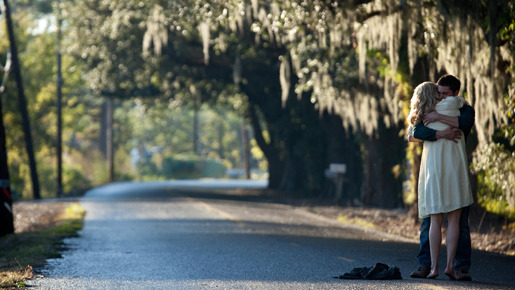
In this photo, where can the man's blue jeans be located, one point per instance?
(463, 252)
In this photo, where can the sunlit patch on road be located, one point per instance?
(346, 259)
(222, 213)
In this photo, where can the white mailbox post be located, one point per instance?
(336, 173)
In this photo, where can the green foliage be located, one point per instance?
(192, 168)
(38, 59)
(74, 181)
(495, 167)
(148, 171)
(505, 134)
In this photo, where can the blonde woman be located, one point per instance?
(443, 181)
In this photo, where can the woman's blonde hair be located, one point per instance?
(423, 101)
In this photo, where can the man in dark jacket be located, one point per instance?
(448, 85)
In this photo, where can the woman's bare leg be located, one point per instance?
(453, 234)
(435, 241)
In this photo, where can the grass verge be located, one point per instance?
(357, 221)
(20, 252)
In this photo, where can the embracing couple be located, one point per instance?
(442, 120)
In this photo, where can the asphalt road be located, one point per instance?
(196, 234)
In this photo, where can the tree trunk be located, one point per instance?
(6, 214)
(370, 183)
(342, 147)
(103, 130)
(275, 164)
(306, 147)
(392, 153)
(382, 185)
(296, 151)
(22, 102)
(221, 133)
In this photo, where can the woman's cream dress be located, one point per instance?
(443, 183)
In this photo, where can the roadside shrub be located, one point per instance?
(192, 168)
(495, 167)
(74, 181)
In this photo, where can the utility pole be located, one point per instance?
(22, 101)
(109, 138)
(246, 148)
(59, 105)
(196, 106)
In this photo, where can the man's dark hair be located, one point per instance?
(450, 81)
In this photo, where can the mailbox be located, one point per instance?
(336, 173)
(338, 167)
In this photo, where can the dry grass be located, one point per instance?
(16, 278)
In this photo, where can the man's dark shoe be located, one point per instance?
(421, 272)
(463, 275)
